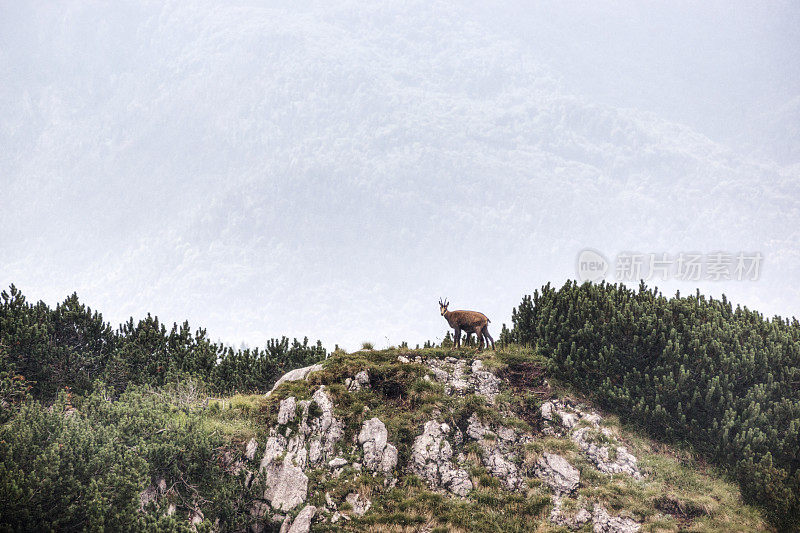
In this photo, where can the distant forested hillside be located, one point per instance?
(687, 369)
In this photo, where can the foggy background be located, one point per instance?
(265, 169)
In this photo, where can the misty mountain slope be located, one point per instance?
(281, 161)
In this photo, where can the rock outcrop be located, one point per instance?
(484, 382)
(605, 523)
(622, 462)
(556, 472)
(295, 375)
(451, 372)
(379, 455)
(598, 443)
(600, 446)
(358, 504)
(289, 450)
(302, 522)
(358, 382)
(308, 435)
(251, 449)
(431, 459)
(152, 493)
(569, 520)
(498, 453)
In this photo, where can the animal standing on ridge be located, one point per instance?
(468, 322)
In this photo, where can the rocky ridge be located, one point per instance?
(307, 434)
(354, 442)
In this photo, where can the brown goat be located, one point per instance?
(468, 322)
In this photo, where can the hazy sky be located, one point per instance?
(263, 169)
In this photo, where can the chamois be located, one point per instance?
(468, 322)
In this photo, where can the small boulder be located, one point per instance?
(250, 450)
(287, 488)
(431, 459)
(547, 410)
(359, 504)
(359, 381)
(295, 375)
(605, 523)
(574, 522)
(379, 455)
(287, 410)
(337, 462)
(302, 523)
(556, 472)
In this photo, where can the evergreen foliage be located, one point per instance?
(71, 346)
(77, 469)
(688, 369)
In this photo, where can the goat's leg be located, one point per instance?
(457, 339)
(488, 337)
(479, 338)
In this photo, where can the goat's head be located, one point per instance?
(443, 306)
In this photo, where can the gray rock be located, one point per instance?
(496, 455)
(359, 504)
(499, 466)
(459, 383)
(558, 411)
(295, 375)
(359, 381)
(287, 487)
(624, 462)
(152, 493)
(196, 517)
(506, 434)
(325, 430)
(250, 450)
(605, 523)
(285, 458)
(581, 517)
(147, 496)
(556, 472)
(484, 382)
(475, 428)
(441, 375)
(337, 462)
(302, 523)
(379, 455)
(452, 373)
(559, 518)
(431, 459)
(568, 420)
(593, 418)
(287, 410)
